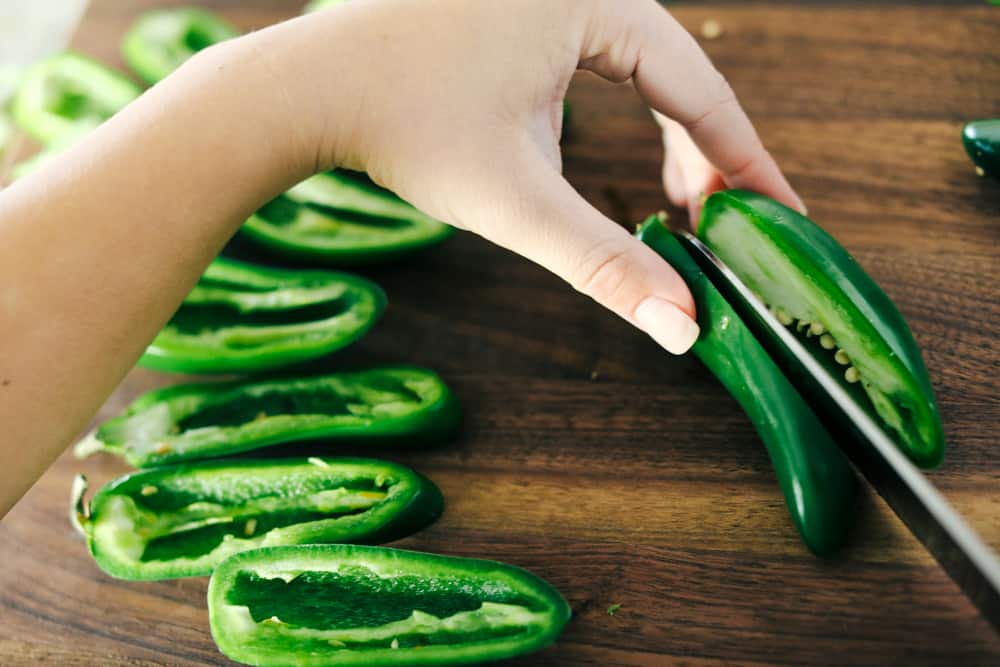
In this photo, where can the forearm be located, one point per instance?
(98, 248)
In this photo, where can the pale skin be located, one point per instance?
(455, 105)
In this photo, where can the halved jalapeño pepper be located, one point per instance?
(818, 289)
(243, 317)
(816, 479)
(161, 40)
(343, 218)
(65, 96)
(181, 521)
(193, 421)
(982, 142)
(341, 605)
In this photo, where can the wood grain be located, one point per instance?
(615, 471)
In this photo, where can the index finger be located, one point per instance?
(675, 77)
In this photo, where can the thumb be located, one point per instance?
(537, 214)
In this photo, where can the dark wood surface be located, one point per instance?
(617, 472)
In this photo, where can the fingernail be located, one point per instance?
(802, 205)
(667, 324)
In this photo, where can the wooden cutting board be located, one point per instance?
(617, 472)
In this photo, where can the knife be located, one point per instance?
(950, 540)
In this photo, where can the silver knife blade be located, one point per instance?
(942, 530)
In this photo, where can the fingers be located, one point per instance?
(537, 214)
(695, 177)
(675, 77)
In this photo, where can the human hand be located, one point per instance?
(457, 106)
(688, 176)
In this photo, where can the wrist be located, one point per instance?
(297, 85)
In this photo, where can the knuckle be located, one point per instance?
(604, 273)
(720, 97)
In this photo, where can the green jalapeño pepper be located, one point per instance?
(816, 287)
(243, 317)
(342, 218)
(181, 521)
(161, 40)
(65, 96)
(193, 421)
(816, 479)
(982, 142)
(339, 605)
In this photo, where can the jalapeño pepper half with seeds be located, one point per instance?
(181, 521)
(814, 286)
(343, 218)
(193, 421)
(341, 605)
(816, 479)
(242, 317)
(66, 95)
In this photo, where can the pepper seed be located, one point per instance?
(711, 29)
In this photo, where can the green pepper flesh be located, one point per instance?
(816, 479)
(364, 606)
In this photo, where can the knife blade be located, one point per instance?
(926, 513)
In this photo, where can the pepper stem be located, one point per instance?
(90, 444)
(79, 510)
